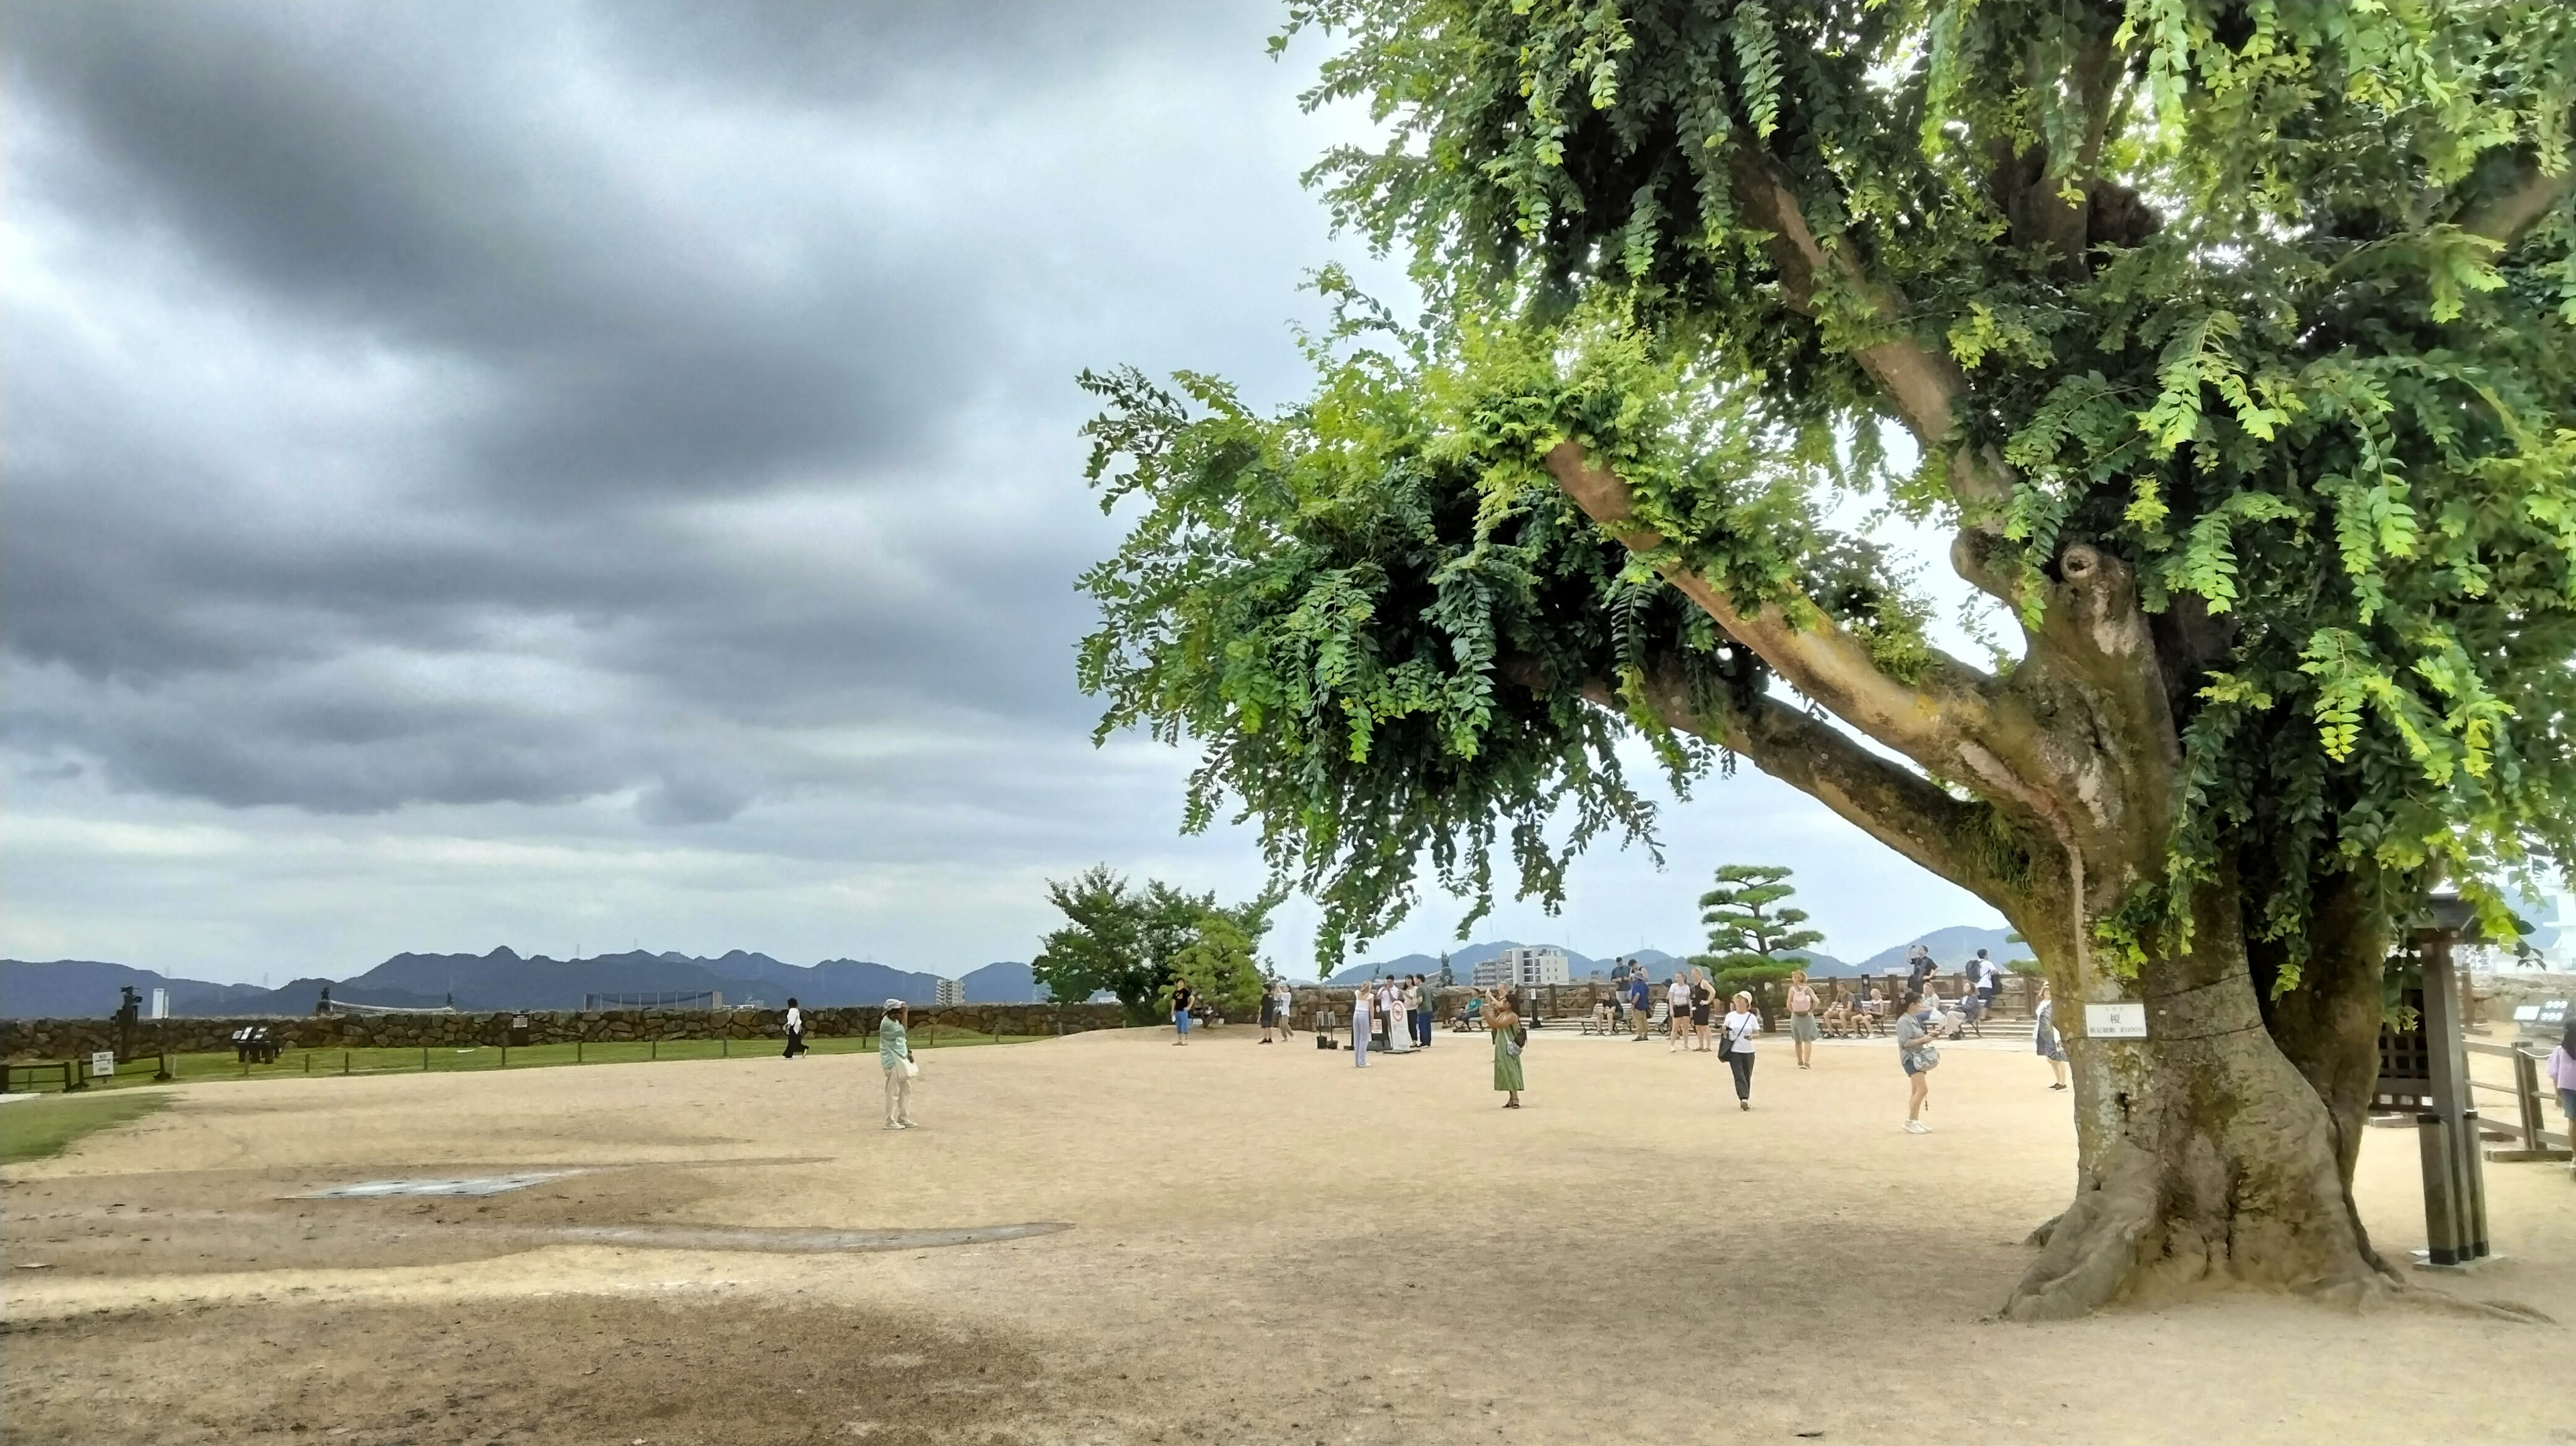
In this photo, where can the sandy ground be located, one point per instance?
(1265, 1245)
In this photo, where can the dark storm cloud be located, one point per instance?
(429, 177)
(479, 404)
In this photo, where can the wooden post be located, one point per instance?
(2455, 1214)
(2526, 1097)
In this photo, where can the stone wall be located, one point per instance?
(36, 1039)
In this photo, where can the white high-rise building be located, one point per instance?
(949, 992)
(1523, 965)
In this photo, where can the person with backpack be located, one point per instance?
(795, 1030)
(1739, 1026)
(1509, 1039)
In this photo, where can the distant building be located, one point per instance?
(1522, 966)
(950, 992)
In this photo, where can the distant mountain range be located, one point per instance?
(502, 979)
(1952, 946)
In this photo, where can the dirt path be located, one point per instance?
(1266, 1245)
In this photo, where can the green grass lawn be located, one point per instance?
(135, 1073)
(33, 1129)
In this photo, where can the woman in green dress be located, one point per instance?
(1505, 1026)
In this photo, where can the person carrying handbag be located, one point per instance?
(1915, 1051)
(1509, 1039)
(1735, 1046)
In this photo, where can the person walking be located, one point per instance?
(795, 1030)
(1284, 1008)
(1181, 1001)
(1426, 1008)
(2043, 1037)
(1703, 1003)
(1360, 1027)
(1803, 1030)
(1741, 1024)
(1917, 1054)
(1677, 997)
(894, 1056)
(1509, 1039)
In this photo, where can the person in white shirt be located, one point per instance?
(1740, 1025)
(795, 1030)
(1399, 1029)
(1677, 995)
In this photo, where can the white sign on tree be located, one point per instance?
(2115, 1021)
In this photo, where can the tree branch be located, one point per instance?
(1955, 838)
(2504, 216)
(1922, 382)
(1925, 722)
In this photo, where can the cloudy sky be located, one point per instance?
(575, 476)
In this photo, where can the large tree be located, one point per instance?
(2229, 342)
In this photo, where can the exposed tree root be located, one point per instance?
(2091, 1250)
(2151, 1226)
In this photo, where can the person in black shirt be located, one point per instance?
(1181, 1012)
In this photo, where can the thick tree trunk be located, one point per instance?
(2204, 1154)
(2328, 1025)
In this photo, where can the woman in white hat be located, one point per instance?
(894, 1055)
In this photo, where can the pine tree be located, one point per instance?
(1751, 942)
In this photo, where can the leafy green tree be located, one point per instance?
(1750, 941)
(1134, 943)
(2230, 342)
(1220, 961)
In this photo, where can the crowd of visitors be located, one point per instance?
(1393, 1016)
(1397, 1016)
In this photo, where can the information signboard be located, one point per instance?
(2115, 1021)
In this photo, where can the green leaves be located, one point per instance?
(1137, 943)
(2222, 288)
(1752, 936)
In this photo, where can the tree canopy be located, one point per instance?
(2270, 302)
(1752, 937)
(1136, 943)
